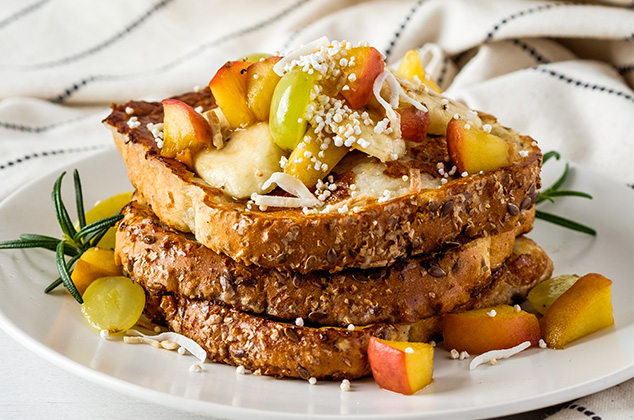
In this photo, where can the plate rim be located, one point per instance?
(198, 406)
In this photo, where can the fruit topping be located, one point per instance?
(480, 330)
(229, 87)
(313, 158)
(261, 83)
(93, 264)
(113, 304)
(359, 73)
(586, 307)
(412, 68)
(401, 366)
(242, 166)
(185, 131)
(414, 123)
(290, 100)
(542, 296)
(473, 149)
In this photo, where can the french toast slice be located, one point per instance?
(269, 346)
(413, 288)
(406, 208)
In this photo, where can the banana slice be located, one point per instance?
(245, 162)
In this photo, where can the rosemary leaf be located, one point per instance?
(60, 210)
(17, 244)
(58, 281)
(100, 227)
(567, 223)
(64, 273)
(549, 155)
(562, 193)
(95, 240)
(53, 285)
(560, 181)
(79, 199)
(35, 236)
(50, 243)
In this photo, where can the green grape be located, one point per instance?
(287, 120)
(542, 296)
(255, 57)
(113, 304)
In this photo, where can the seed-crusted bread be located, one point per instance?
(416, 213)
(269, 346)
(413, 288)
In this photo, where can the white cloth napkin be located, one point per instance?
(561, 72)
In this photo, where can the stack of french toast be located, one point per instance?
(282, 243)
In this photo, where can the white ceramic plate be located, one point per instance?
(53, 327)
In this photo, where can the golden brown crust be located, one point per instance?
(288, 239)
(411, 289)
(268, 346)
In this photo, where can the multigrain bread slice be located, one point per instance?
(269, 346)
(422, 212)
(170, 262)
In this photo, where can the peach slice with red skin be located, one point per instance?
(586, 307)
(368, 64)
(473, 150)
(414, 123)
(184, 129)
(229, 87)
(401, 366)
(480, 330)
(261, 82)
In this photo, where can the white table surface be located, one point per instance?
(33, 388)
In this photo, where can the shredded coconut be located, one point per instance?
(290, 184)
(187, 343)
(493, 355)
(309, 48)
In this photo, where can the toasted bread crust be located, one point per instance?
(411, 289)
(270, 347)
(289, 239)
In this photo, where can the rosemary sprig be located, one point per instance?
(75, 242)
(553, 191)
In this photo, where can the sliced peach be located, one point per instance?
(261, 82)
(412, 67)
(401, 366)
(414, 123)
(473, 150)
(229, 87)
(184, 129)
(586, 307)
(300, 163)
(496, 328)
(368, 64)
(93, 264)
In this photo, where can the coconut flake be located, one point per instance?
(290, 184)
(389, 110)
(396, 93)
(498, 354)
(309, 48)
(185, 342)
